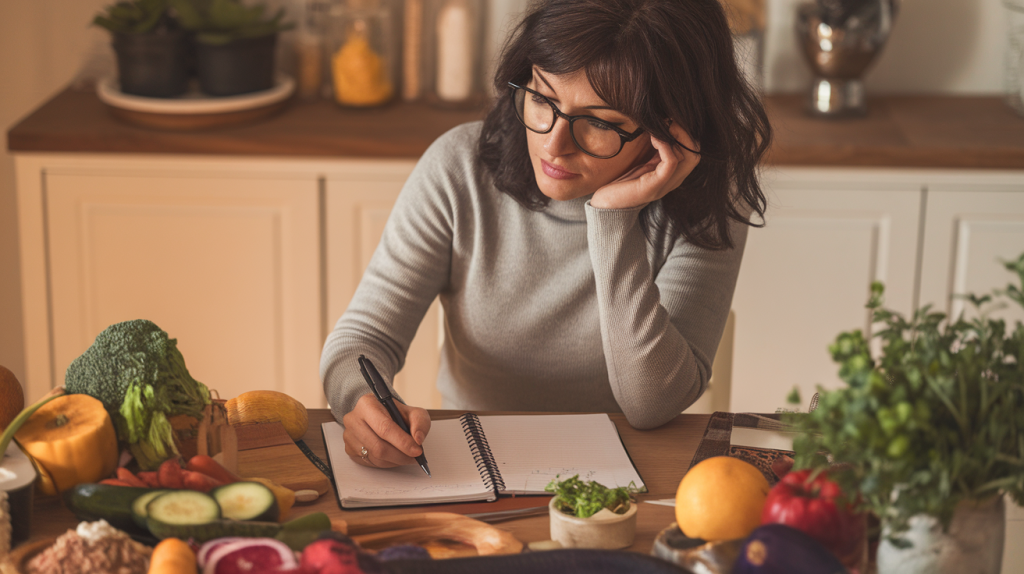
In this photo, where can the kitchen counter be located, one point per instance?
(898, 131)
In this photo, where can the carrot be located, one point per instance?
(193, 480)
(169, 474)
(114, 482)
(127, 476)
(149, 477)
(172, 556)
(210, 467)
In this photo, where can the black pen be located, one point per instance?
(383, 394)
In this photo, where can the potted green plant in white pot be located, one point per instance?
(930, 431)
(586, 514)
(154, 55)
(234, 42)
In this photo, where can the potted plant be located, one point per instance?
(153, 52)
(929, 431)
(586, 514)
(235, 44)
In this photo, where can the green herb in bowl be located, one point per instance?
(584, 499)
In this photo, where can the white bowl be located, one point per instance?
(605, 530)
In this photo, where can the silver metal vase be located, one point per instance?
(840, 39)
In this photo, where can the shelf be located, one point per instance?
(898, 131)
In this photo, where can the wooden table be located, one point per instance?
(662, 457)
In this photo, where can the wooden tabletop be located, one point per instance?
(662, 457)
(898, 131)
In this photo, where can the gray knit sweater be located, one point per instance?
(566, 309)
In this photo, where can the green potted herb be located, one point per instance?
(930, 431)
(586, 514)
(153, 52)
(235, 44)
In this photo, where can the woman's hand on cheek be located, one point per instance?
(651, 181)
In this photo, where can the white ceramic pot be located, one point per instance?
(973, 545)
(605, 530)
(17, 477)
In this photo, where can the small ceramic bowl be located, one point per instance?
(605, 530)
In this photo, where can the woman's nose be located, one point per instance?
(559, 139)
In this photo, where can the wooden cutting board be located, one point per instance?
(266, 451)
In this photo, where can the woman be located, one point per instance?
(584, 239)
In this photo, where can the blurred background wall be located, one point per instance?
(937, 46)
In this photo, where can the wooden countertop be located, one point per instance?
(661, 455)
(898, 131)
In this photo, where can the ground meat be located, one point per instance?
(72, 554)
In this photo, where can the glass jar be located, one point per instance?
(1015, 55)
(361, 53)
(453, 35)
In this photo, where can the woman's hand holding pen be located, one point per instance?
(666, 169)
(369, 426)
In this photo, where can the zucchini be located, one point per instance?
(91, 501)
(219, 528)
(295, 533)
(246, 501)
(139, 513)
(302, 531)
(183, 507)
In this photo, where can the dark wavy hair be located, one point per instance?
(651, 60)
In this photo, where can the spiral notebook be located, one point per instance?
(478, 458)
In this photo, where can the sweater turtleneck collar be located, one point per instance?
(571, 210)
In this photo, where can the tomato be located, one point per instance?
(814, 506)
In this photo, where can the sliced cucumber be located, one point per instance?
(183, 507)
(246, 501)
(215, 529)
(139, 506)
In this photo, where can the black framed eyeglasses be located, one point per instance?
(595, 137)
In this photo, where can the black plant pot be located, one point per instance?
(238, 67)
(157, 64)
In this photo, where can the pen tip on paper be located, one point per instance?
(426, 469)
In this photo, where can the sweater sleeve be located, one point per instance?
(660, 331)
(407, 271)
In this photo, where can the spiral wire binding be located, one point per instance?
(482, 453)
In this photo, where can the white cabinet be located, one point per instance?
(228, 264)
(356, 209)
(831, 232)
(806, 276)
(971, 227)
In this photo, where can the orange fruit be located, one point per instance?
(721, 498)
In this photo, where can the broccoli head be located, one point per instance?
(139, 375)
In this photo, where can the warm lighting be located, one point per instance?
(824, 95)
(826, 45)
(824, 30)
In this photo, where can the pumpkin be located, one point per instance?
(268, 407)
(12, 397)
(72, 437)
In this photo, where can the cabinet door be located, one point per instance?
(357, 209)
(968, 230)
(229, 266)
(806, 277)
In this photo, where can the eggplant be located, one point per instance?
(781, 549)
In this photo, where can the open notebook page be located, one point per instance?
(455, 475)
(530, 451)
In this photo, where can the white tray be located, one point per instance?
(193, 102)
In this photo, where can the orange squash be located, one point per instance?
(268, 407)
(72, 437)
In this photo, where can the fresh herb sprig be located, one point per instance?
(937, 418)
(586, 498)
